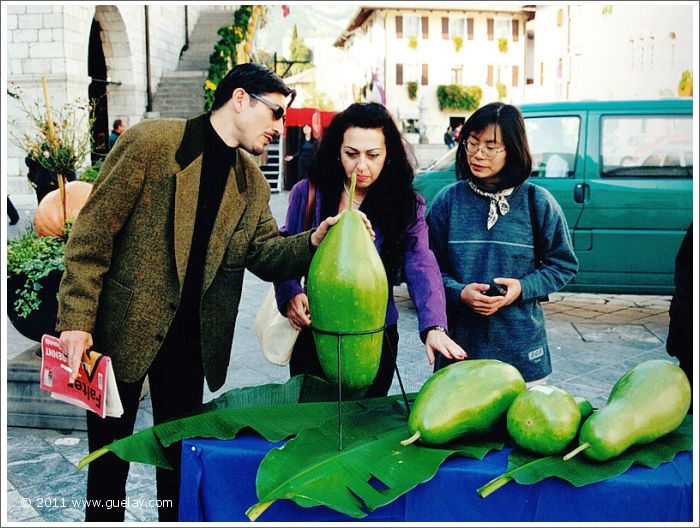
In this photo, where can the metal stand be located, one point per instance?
(340, 335)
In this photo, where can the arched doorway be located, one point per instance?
(97, 93)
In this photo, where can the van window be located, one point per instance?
(647, 146)
(553, 145)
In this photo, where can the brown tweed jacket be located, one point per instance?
(129, 247)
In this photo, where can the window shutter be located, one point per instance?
(399, 73)
(424, 26)
(399, 27)
(445, 28)
(470, 29)
(489, 28)
(514, 83)
(489, 75)
(516, 30)
(424, 75)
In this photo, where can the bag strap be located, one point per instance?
(310, 203)
(535, 225)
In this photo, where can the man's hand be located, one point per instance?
(437, 341)
(322, 230)
(73, 344)
(298, 311)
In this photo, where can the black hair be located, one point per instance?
(518, 159)
(253, 78)
(116, 124)
(390, 202)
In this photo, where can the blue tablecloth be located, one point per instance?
(218, 484)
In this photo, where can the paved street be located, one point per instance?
(594, 339)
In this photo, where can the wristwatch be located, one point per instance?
(424, 333)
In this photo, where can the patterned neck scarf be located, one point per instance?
(497, 202)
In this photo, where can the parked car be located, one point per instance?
(622, 172)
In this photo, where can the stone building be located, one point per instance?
(116, 52)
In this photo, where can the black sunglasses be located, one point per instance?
(277, 110)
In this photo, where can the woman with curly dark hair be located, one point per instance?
(365, 140)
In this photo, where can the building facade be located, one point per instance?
(116, 51)
(400, 56)
(514, 52)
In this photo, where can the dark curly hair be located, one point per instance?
(390, 202)
(518, 159)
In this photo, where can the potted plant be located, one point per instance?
(501, 88)
(458, 41)
(413, 42)
(685, 86)
(412, 87)
(34, 271)
(60, 143)
(503, 44)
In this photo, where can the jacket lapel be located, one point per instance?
(186, 196)
(230, 211)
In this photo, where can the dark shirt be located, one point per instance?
(305, 154)
(217, 161)
(113, 137)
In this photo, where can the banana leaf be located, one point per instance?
(372, 470)
(271, 410)
(526, 468)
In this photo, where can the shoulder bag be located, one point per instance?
(275, 334)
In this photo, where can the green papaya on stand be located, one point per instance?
(465, 398)
(646, 403)
(348, 293)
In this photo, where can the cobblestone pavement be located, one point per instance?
(594, 339)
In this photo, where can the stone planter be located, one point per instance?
(43, 320)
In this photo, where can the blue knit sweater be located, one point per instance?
(468, 252)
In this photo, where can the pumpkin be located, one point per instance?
(49, 220)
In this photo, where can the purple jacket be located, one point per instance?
(420, 266)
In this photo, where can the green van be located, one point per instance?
(622, 172)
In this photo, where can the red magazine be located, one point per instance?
(95, 387)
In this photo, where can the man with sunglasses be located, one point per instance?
(155, 264)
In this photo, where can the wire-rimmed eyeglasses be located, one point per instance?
(486, 151)
(277, 110)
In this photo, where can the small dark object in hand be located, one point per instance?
(495, 289)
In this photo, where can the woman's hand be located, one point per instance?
(298, 311)
(438, 341)
(322, 230)
(473, 296)
(288, 158)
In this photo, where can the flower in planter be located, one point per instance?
(412, 87)
(458, 41)
(72, 141)
(412, 42)
(503, 44)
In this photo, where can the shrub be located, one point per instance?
(459, 97)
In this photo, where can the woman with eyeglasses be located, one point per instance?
(502, 244)
(365, 140)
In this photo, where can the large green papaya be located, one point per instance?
(544, 419)
(647, 402)
(348, 292)
(462, 399)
